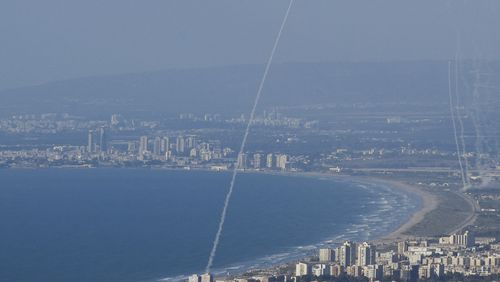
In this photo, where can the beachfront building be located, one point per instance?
(326, 255)
(207, 277)
(366, 254)
(346, 254)
(302, 269)
(194, 278)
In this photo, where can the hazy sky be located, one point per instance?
(56, 39)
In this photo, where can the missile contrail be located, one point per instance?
(461, 124)
(455, 125)
(243, 142)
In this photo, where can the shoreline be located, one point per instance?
(429, 201)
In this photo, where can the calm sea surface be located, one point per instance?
(145, 225)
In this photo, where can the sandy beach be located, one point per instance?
(429, 203)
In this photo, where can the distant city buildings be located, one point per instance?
(97, 141)
(466, 239)
(143, 145)
(157, 147)
(257, 161)
(281, 161)
(90, 142)
(242, 161)
(103, 140)
(131, 148)
(179, 148)
(269, 161)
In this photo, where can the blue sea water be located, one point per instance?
(147, 225)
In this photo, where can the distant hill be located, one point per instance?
(232, 89)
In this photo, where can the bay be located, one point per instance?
(146, 225)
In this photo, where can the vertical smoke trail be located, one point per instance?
(455, 109)
(454, 124)
(460, 122)
(477, 115)
(243, 142)
(474, 113)
(478, 104)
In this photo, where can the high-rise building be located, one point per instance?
(366, 254)
(326, 255)
(354, 271)
(336, 270)
(354, 253)
(193, 153)
(374, 272)
(191, 142)
(302, 269)
(114, 120)
(179, 148)
(103, 142)
(194, 278)
(165, 144)
(402, 247)
(345, 253)
(157, 147)
(90, 142)
(257, 161)
(465, 240)
(207, 277)
(281, 161)
(205, 155)
(131, 147)
(143, 145)
(242, 161)
(320, 269)
(269, 161)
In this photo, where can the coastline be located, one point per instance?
(428, 204)
(429, 201)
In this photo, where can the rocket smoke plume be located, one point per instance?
(458, 114)
(452, 113)
(243, 142)
(460, 122)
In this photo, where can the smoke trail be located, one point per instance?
(477, 121)
(243, 142)
(474, 113)
(478, 111)
(460, 122)
(455, 109)
(454, 124)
